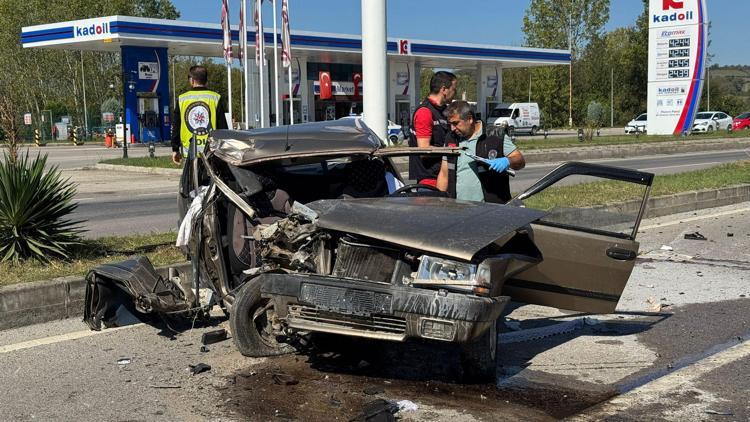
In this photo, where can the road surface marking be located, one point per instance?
(689, 219)
(654, 391)
(60, 338)
(683, 165)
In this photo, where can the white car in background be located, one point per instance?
(709, 121)
(640, 123)
(395, 132)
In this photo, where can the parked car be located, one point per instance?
(709, 121)
(306, 229)
(518, 117)
(640, 123)
(396, 134)
(741, 122)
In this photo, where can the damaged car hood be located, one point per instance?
(332, 137)
(443, 226)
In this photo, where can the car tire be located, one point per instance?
(729, 128)
(393, 139)
(250, 326)
(534, 130)
(478, 358)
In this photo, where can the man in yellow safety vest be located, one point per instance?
(199, 107)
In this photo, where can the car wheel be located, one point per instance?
(534, 130)
(729, 128)
(478, 358)
(710, 129)
(393, 139)
(251, 323)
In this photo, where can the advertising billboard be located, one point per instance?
(676, 64)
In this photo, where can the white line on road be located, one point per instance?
(687, 220)
(127, 197)
(655, 391)
(60, 338)
(683, 165)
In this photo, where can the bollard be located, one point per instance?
(151, 150)
(74, 136)
(38, 138)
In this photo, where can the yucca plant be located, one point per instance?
(34, 207)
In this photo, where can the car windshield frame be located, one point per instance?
(706, 116)
(501, 112)
(639, 119)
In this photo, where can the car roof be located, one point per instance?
(331, 137)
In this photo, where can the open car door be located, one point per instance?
(588, 250)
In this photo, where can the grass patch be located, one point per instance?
(159, 247)
(537, 142)
(164, 162)
(608, 192)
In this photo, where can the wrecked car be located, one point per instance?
(312, 228)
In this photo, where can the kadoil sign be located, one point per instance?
(91, 29)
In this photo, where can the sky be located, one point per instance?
(483, 22)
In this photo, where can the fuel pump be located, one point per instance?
(148, 117)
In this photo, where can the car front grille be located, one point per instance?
(384, 327)
(364, 262)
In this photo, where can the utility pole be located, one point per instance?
(529, 85)
(708, 88)
(375, 65)
(83, 85)
(570, 67)
(612, 97)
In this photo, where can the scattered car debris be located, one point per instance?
(666, 248)
(648, 267)
(371, 391)
(200, 368)
(205, 349)
(379, 410)
(284, 379)
(406, 406)
(719, 413)
(730, 234)
(214, 336)
(695, 236)
(164, 386)
(653, 305)
(123, 361)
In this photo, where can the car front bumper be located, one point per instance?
(700, 128)
(378, 310)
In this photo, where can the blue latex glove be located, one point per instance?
(499, 164)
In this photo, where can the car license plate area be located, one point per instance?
(345, 300)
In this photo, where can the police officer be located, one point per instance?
(430, 128)
(199, 107)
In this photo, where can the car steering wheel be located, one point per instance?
(414, 186)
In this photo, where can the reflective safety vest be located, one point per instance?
(197, 110)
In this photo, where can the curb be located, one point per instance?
(43, 301)
(134, 169)
(633, 150)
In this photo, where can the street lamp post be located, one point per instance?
(131, 88)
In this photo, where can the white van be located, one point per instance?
(520, 117)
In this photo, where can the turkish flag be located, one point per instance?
(357, 79)
(325, 85)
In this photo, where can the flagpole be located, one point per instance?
(229, 73)
(243, 44)
(275, 62)
(291, 81)
(261, 42)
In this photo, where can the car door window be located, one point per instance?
(591, 198)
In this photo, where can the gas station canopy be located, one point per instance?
(204, 39)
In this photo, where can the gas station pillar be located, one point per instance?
(145, 80)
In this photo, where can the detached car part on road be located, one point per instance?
(310, 228)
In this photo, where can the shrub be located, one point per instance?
(594, 117)
(34, 205)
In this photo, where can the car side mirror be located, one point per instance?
(715, 117)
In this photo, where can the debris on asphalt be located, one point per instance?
(164, 386)
(215, 336)
(371, 391)
(718, 413)
(654, 305)
(199, 368)
(695, 236)
(335, 402)
(205, 349)
(666, 248)
(406, 406)
(648, 267)
(377, 411)
(123, 361)
(284, 379)
(730, 234)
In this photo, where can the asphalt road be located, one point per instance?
(123, 203)
(676, 349)
(72, 157)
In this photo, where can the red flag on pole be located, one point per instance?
(259, 54)
(325, 85)
(286, 44)
(227, 43)
(243, 37)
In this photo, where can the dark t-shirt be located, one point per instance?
(496, 186)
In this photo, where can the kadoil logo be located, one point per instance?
(677, 16)
(101, 28)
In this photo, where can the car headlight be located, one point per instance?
(453, 275)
